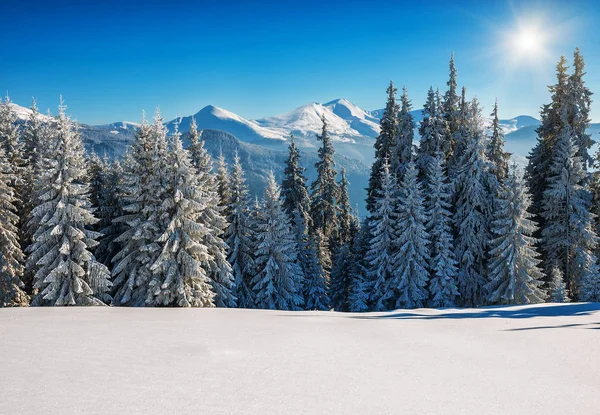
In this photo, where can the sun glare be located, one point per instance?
(529, 40)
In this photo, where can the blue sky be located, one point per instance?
(262, 58)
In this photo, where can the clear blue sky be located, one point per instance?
(111, 59)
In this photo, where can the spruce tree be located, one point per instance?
(66, 273)
(341, 273)
(222, 183)
(433, 132)
(178, 276)
(558, 289)
(384, 144)
(10, 141)
(450, 110)
(443, 290)
(580, 101)
(472, 211)
(239, 237)
(541, 156)
(324, 188)
(11, 256)
(360, 284)
(412, 257)
(497, 156)
(382, 251)
(213, 216)
(402, 150)
(108, 211)
(277, 281)
(461, 136)
(316, 278)
(514, 276)
(141, 193)
(568, 235)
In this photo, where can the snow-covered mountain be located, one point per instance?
(347, 122)
(215, 118)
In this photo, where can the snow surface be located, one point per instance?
(518, 360)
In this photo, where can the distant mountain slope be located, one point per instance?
(215, 118)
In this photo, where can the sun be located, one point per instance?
(529, 41)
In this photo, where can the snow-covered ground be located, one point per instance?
(518, 360)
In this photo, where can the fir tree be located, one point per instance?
(316, 279)
(384, 144)
(580, 101)
(497, 156)
(472, 212)
(360, 287)
(450, 110)
(345, 217)
(558, 289)
(461, 136)
(412, 258)
(341, 273)
(239, 237)
(178, 277)
(568, 234)
(541, 156)
(141, 193)
(402, 151)
(10, 141)
(278, 277)
(433, 133)
(109, 209)
(514, 276)
(442, 265)
(66, 273)
(324, 188)
(11, 256)
(382, 245)
(213, 216)
(222, 182)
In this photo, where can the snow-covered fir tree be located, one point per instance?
(541, 156)
(141, 192)
(497, 156)
(11, 256)
(443, 290)
(558, 289)
(277, 281)
(108, 210)
(568, 237)
(296, 203)
(324, 189)
(403, 148)
(239, 237)
(472, 211)
(461, 136)
(412, 257)
(579, 118)
(218, 268)
(514, 276)
(11, 143)
(222, 179)
(178, 276)
(345, 215)
(433, 131)
(384, 144)
(360, 284)
(341, 272)
(450, 110)
(382, 251)
(66, 273)
(316, 279)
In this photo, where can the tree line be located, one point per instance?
(449, 221)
